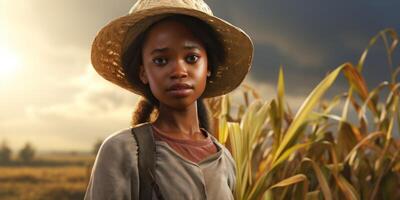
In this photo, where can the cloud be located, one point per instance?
(312, 38)
(97, 109)
(95, 99)
(267, 92)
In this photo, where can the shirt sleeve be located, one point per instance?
(114, 173)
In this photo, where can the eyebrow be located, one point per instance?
(192, 46)
(161, 50)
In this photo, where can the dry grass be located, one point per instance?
(34, 183)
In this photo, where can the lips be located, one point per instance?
(180, 90)
(180, 86)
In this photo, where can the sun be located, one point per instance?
(9, 63)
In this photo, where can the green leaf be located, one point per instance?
(307, 107)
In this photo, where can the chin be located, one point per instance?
(180, 104)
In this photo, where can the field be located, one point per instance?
(47, 182)
(317, 152)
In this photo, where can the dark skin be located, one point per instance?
(172, 54)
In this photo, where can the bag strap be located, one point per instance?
(146, 157)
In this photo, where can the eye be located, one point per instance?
(160, 61)
(192, 59)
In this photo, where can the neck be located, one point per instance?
(178, 122)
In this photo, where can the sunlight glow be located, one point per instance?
(9, 63)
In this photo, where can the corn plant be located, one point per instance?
(316, 154)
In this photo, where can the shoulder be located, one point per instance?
(115, 168)
(121, 142)
(226, 154)
(118, 148)
(230, 165)
(119, 138)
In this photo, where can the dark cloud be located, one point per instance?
(311, 38)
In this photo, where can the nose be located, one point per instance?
(179, 70)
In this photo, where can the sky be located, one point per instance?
(52, 97)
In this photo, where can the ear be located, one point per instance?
(142, 75)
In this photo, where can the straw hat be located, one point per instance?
(114, 39)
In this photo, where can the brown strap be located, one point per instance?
(146, 157)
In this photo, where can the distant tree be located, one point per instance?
(96, 146)
(27, 153)
(5, 153)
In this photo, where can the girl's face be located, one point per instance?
(174, 64)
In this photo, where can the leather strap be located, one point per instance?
(146, 157)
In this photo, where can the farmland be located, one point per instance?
(66, 179)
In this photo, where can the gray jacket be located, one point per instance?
(115, 172)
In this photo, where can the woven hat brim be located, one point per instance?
(109, 44)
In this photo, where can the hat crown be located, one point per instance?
(199, 5)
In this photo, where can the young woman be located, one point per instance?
(173, 53)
